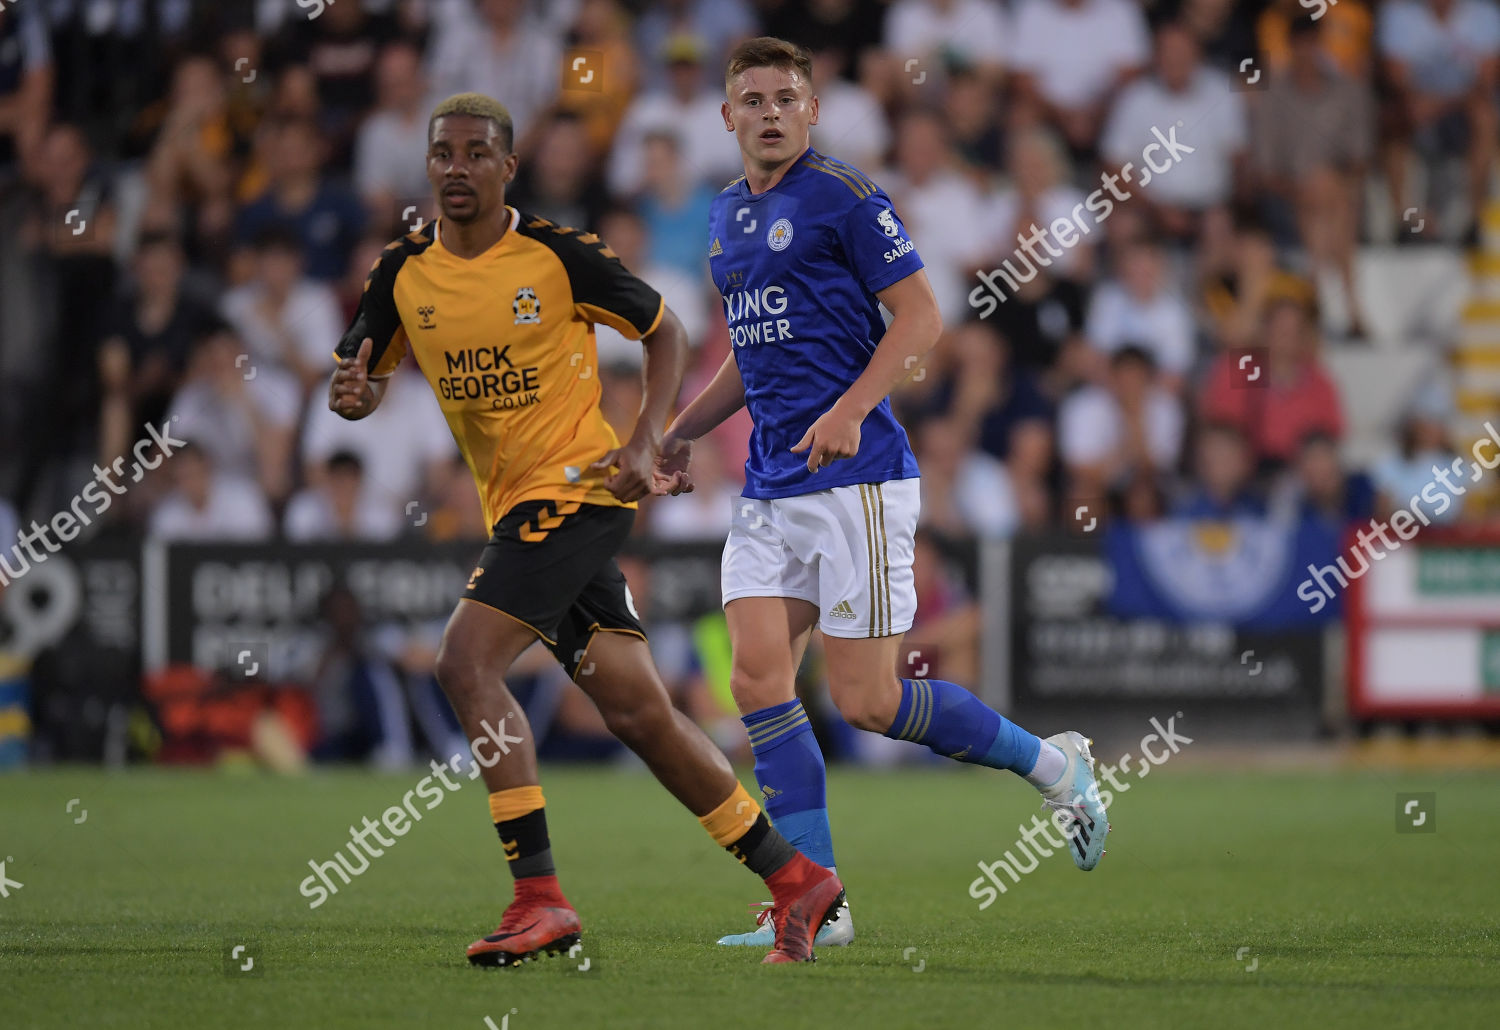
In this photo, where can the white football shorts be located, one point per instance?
(848, 550)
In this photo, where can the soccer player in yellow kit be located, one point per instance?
(497, 308)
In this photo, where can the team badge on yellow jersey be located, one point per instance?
(527, 307)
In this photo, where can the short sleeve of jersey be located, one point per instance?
(876, 244)
(377, 317)
(604, 290)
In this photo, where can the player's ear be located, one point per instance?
(814, 119)
(512, 162)
(728, 122)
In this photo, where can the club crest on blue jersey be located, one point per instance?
(780, 236)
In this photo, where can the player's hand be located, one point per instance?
(349, 392)
(635, 466)
(671, 475)
(833, 436)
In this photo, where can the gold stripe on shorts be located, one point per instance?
(864, 498)
(885, 561)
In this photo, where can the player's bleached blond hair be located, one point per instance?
(476, 105)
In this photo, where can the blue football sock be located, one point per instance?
(955, 724)
(793, 782)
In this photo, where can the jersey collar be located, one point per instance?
(437, 236)
(797, 165)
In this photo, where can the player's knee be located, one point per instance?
(865, 703)
(639, 722)
(457, 671)
(754, 689)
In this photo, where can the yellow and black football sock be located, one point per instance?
(520, 818)
(742, 829)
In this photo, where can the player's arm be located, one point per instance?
(723, 396)
(913, 332)
(666, 361)
(372, 346)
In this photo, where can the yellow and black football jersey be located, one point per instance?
(506, 340)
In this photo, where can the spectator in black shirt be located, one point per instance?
(148, 335)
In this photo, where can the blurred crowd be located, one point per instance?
(193, 193)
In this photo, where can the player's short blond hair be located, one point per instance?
(476, 105)
(768, 52)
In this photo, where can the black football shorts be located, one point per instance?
(551, 565)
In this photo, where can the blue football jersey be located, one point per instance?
(798, 267)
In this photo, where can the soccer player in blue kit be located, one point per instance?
(804, 250)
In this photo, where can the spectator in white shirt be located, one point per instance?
(402, 446)
(1132, 426)
(243, 415)
(934, 32)
(508, 56)
(1038, 196)
(852, 125)
(389, 170)
(284, 318)
(1196, 106)
(1071, 57)
(965, 491)
(341, 507)
(686, 108)
(209, 505)
(938, 206)
(1140, 307)
(1441, 61)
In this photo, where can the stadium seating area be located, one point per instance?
(193, 193)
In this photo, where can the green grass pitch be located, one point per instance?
(124, 919)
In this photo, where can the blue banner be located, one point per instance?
(1243, 571)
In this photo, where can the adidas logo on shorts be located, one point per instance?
(842, 611)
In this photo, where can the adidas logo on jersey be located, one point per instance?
(716, 249)
(842, 610)
(769, 792)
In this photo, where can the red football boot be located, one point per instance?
(538, 920)
(805, 897)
